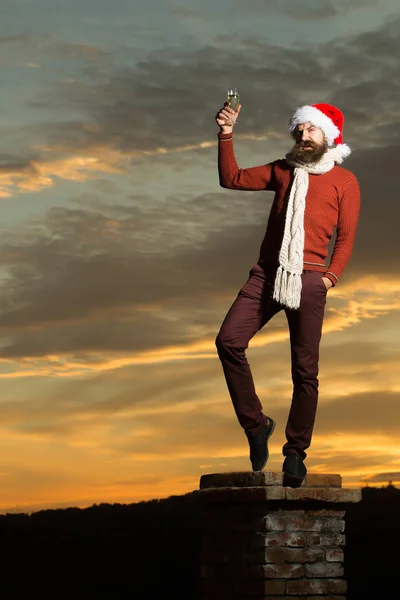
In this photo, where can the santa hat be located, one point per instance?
(328, 118)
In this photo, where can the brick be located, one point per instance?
(256, 557)
(277, 539)
(325, 512)
(264, 478)
(306, 493)
(229, 541)
(288, 511)
(324, 569)
(241, 479)
(343, 495)
(207, 571)
(247, 525)
(255, 510)
(294, 555)
(334, 555)
(329, 525)
(306, 523)
(299, 522)
(337, 586)
(263, 597)
(317, 539)
(321, 480)
(252, 597)
(272, 522)
(303, 587)
(276, 555)
(244, 494)
(318, 598)
(276, 571)
(259, 587)
(276, 493)
(213, 586)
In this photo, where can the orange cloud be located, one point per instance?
(84, 166)
(124, 478)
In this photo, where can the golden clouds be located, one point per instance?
(43, 174)
(169, 409)
(358, 457)
(348, 305)
(85, 165)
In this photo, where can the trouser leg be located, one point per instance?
(251, 310)
(305, 325)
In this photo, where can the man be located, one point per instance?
(313, 195)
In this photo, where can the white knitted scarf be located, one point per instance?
(287, 288)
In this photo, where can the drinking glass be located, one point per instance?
(233, 98)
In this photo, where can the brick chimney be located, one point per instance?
(264, 541)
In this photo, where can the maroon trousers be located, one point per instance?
(252, 309)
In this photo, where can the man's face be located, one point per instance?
(311, 143)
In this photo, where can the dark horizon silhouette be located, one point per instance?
(150, 549)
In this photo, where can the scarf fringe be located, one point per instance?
(287, 288)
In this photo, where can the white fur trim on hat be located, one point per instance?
(311, 114)
(344, 150)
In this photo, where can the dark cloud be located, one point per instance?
(84, 271)
(12, 39)
(151, 105)
(79, 261)
(308, 10)
(11, 164)
(317, 10)
(170, 98)
(188, 12)
(377, 245)
(80, 275)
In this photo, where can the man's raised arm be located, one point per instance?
(230, 176)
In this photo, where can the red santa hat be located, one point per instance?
(328, 118)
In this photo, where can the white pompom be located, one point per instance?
(344, 150)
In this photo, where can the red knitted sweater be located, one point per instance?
(333, 199)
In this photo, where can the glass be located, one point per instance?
(233, 98)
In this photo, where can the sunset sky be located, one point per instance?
(120, 254)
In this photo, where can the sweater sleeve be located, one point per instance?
(233, 178)
(349, 210)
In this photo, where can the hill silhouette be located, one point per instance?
(150, 550)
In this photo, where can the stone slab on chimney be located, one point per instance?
(263, 540)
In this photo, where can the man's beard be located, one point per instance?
(309, 156)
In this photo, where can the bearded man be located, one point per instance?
(313, 195)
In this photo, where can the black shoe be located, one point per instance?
(294, 470)
(259, 446)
